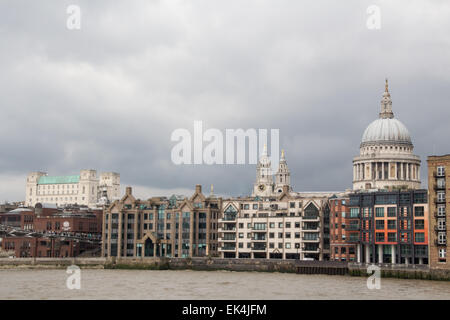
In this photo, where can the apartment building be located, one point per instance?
(393, 226)
(289, 226)
(439, 200)
(161, 226)
(344, 230)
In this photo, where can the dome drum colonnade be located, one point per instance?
(386, 159)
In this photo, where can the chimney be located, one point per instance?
(198, 188)
(128, 191)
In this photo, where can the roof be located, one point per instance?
(58, 179)
(387, 131)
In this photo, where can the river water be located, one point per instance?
(227, 285)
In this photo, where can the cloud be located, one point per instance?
(108, 96)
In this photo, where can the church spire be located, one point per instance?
(386, 103)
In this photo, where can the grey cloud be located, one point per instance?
(109, 95)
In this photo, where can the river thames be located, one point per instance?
(227, 285)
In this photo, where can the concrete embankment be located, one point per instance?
(211, 264)
(401, 271)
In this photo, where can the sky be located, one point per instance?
(109, 95)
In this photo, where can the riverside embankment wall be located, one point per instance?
(210, 264)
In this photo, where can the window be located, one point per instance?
(442, 237)
(280, 225)
(249, 225)
(440, 171)
(418, 211)
(379, 224)
(392, 224)
(354, 212)
(442, 253)
(419, 224)
(380, 236)
(441, 196)
(255, 206)
(288, 245)
(288, 224)
(292, 205)
(441, 183)
(392, 237)
(271, 235)
(271, 245)
(280, 245)
(441, 224)
(241, 235)
(419, 237)
(441, 210)
(297, 235)
(259, 226)
(288, 235)
(280, 235)
(241, 245)
(379, 212)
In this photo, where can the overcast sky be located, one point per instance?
(108, 96)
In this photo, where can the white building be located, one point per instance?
(83, 189)
(275, 222)
(386, 158)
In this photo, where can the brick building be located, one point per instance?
(51, 232)
(344, 230)
(160, 226)
(438, 190)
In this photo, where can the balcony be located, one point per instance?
(228, 237)
(227, 229)
(352, 227)
(439, 201)
(436, 215)
(311, 250)
(305, 239)
(227, 218)
(312, 218)
(259, 248)
(227, 248)
(311, 230)
(438, 188)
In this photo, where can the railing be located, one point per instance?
(310, 217)
(440, 228)
(259, 248)
(440, 242)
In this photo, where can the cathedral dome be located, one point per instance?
(386, 130)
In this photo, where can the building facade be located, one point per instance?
(386, 158)
(439, 200)
(393, 226)
(275, 222)
(290, 226)
(83, 189)
(51, 232)
(162, 227)
(344, 230)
